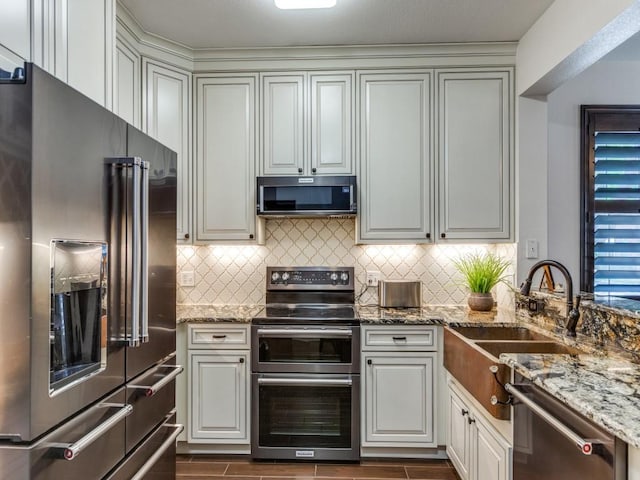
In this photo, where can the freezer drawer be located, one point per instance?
(152, 396)
(154, 458)
(88, 446)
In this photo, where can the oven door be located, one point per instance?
(306, 416)
(305, 349)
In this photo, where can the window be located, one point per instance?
(610, 233)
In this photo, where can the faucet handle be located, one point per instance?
(578, 299)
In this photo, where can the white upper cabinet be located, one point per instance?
(475, 145)
(395, 173)
(167, 118)
(225, 157)
(15, 32)
(331, 123)
(283, 124)
(307, 123)
(126, 102)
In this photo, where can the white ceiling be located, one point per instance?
(258, 23)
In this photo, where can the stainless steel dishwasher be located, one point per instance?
(553, 441)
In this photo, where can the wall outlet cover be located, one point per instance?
(187, 278)
(373, 277)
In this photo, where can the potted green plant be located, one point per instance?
(481, 273)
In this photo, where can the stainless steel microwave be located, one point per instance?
(321, 196)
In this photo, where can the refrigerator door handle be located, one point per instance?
(70, 451)
(171, 440)
(151, 390)
(144, 252)
(136, 260)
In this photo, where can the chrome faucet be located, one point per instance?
(573, 314)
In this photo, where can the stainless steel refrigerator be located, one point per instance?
(87, 292)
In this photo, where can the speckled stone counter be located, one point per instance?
(217, 313)
(603, 389)
(453, 315)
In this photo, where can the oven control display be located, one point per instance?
(303, 277)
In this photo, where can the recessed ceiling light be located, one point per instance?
(300, 4)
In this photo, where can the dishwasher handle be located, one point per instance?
(586, 447)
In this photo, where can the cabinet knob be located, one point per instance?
(313, 170)
(471, 420)
(241, 360)
(186, 236)
(369, 362)
(428, 235)
(299, 170)
(443, 235)
(251, 236)
(465, 412)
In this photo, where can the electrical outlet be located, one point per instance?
(532, 248)
(187, 279)
(373, 277)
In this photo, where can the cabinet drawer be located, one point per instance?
(219, 336)
(400, 338)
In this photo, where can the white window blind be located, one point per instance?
(617, 214)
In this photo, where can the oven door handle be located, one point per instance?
(305, 332)
(585, 446)
(323, 382)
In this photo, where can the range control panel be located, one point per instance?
(309, 278)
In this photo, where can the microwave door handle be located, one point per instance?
(144, 252)
(261, 197)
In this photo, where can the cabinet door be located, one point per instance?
(458, 435)
(490, 457)
(395, 157)
(474, 154)
(399, 420)
(331, 123)
(126, 102)
(89, 47)
(15, 28)
(283, 126)
(167, 118)
(219, 397)
(225, 158)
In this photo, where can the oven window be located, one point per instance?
(305, 416)
(305, 350)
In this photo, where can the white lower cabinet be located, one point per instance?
(477, 450)
(399, 377)
(218, 402)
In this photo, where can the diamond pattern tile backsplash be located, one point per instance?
(236, 274)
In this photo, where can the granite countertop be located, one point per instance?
(217, 313)
(603, 389)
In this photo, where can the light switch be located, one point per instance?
(187, 279)
(532, 248)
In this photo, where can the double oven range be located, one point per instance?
(306, 366)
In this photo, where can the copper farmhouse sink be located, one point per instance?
(471, 356)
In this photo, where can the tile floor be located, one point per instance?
(204, 467)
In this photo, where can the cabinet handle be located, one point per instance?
(443, 235)
(465, 412)
(471, 420)
(399, 339)
(313, 170)
(251, 236)
(186, 236)
(428, 235)
(218, 337)
(299, 170)
(241, 360)
(369, 362)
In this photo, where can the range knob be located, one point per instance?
(333, 277)
(275, 276)
(285, 276)
(344, 276)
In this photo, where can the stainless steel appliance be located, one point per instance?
(553, 441)
(400, 293)
(306, 367)
(87, 300)
(322, 196)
